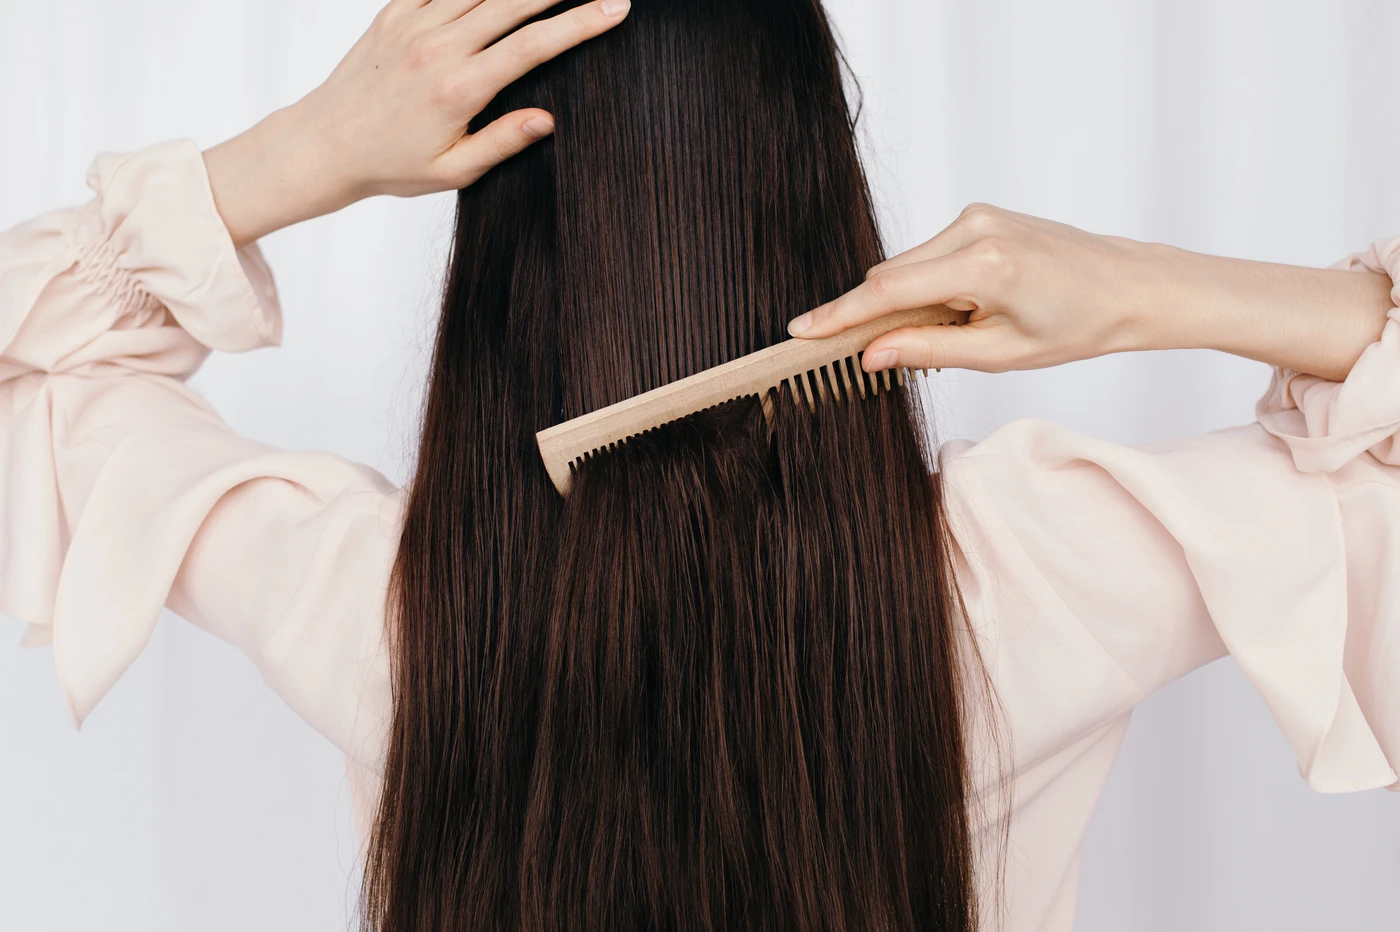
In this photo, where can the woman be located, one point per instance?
(734, 681)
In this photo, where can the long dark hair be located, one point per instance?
(719, 687)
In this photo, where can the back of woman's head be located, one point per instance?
(718, 686)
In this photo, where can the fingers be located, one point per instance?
(976, 222)
(489, 20)
(943, 280)
(947, 242)
(475, 155)
(946, 347)
(445, 11)
(535, 44)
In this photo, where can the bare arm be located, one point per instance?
(1313, 320)
(1042, 293)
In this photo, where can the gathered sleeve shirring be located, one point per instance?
(144, 277)
(1328, 424)
(124, 492)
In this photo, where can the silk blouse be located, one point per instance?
(1092, 573)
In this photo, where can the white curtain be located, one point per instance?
(192, 799)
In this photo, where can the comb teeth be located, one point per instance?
(806, 367)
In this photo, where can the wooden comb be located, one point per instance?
(796, 362)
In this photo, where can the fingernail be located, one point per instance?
(538, 127)
(616, 7)
(879, 360)
(800, 325)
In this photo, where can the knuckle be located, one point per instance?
(503, 147)
(920, 353)
(832, 316)
(424, 50)
(447, 91)
(388, 14)
(991, 251)
(995, 258)
(981, 218)
(881, 284)
(527, 45)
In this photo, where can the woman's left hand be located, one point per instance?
(1042, 293)
(1039, 293)
(392, 116)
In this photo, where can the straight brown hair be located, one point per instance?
(719, 687)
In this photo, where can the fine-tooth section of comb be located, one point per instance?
(804, 366)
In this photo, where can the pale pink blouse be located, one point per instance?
(1093, 573)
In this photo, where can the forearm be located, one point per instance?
(1316, 321)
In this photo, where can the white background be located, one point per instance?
(193, 799)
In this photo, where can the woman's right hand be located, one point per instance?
(392, 117)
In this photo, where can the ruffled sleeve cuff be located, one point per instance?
(143, 279)
(163, 231)
(1328, 424)
(145, 276)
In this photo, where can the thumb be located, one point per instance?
(949, 346)
(473, 156)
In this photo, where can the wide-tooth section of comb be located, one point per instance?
(805, 365)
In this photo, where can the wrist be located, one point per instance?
(1153, 293)
(279, 172)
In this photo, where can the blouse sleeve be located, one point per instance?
(123, 491)
(1096, 573)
